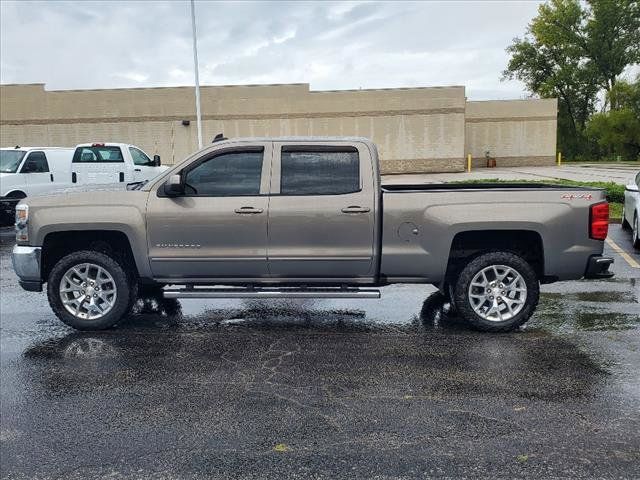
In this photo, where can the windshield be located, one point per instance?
(10, 160)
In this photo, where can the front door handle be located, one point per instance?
(137, 170)
(249, 210)
(355, 209)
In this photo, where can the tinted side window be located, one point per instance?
(229, 174)
(36, 162)
(139, 157)
(330, 172)
(97, 154)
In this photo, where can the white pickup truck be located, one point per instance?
(112, 163)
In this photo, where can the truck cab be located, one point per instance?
(104, 163)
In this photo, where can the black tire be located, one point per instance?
(6, 219)
(126, 290)
(624, 223)
(461, 291)
(636, 233)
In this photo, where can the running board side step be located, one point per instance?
(198, 292)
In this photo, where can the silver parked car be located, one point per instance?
(631, 211)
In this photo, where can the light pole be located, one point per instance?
(195, 67)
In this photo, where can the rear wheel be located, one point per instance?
(497, 292)
(636, 233)
(90, 290)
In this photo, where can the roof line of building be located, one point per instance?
(257, 85)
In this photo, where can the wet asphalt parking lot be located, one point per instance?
(325, 389)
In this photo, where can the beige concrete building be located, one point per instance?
(417, 129)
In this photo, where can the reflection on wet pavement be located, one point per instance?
(398, 387)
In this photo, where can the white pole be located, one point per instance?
(195, 66)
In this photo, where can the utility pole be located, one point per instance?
(195, 67)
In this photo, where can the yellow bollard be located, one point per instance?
(559, 159)
(469, 163)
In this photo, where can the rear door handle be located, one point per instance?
(137, 170)
(355, 209)
(248, 210)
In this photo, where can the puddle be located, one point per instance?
(601, 296)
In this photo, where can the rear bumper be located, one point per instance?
(26, 263)
(598, 267)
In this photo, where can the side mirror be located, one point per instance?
(632, 187)
(156, 161)
(174, 187)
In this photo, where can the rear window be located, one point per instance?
(97, 154)
(319, 171)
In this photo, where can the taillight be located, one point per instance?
(599, 221)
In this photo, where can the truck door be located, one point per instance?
(37, 175)
(218, 228)
(321, 211)
(98, 164)
(143, 166)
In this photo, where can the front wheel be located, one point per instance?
(89, 290)
(636, 233)
(624, 223)
(497, 292)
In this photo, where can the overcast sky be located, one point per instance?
(346, 45)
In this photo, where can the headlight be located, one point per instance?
(22, 221)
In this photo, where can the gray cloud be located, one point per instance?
(77, 45)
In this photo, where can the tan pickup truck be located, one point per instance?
(306, 217)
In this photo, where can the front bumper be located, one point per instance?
(26, 263)
(598, 267)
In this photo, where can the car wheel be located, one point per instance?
(497, 292)
(90, 290)
(625, 224)
(636, 233)
(6, 219)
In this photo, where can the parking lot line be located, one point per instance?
(627, 258)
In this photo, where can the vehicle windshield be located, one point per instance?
(10, 160)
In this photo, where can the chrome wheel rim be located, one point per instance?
(497, 293)
(88, 291)
(635, 229)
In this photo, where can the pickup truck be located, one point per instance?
(104, 163)
(306, 217)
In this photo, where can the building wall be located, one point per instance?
(416, 129)
(514, 132)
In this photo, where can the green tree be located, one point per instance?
(617, 131)
(574, 52)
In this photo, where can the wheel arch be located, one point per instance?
(16, 194)
(114, 243)
(467, 245)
